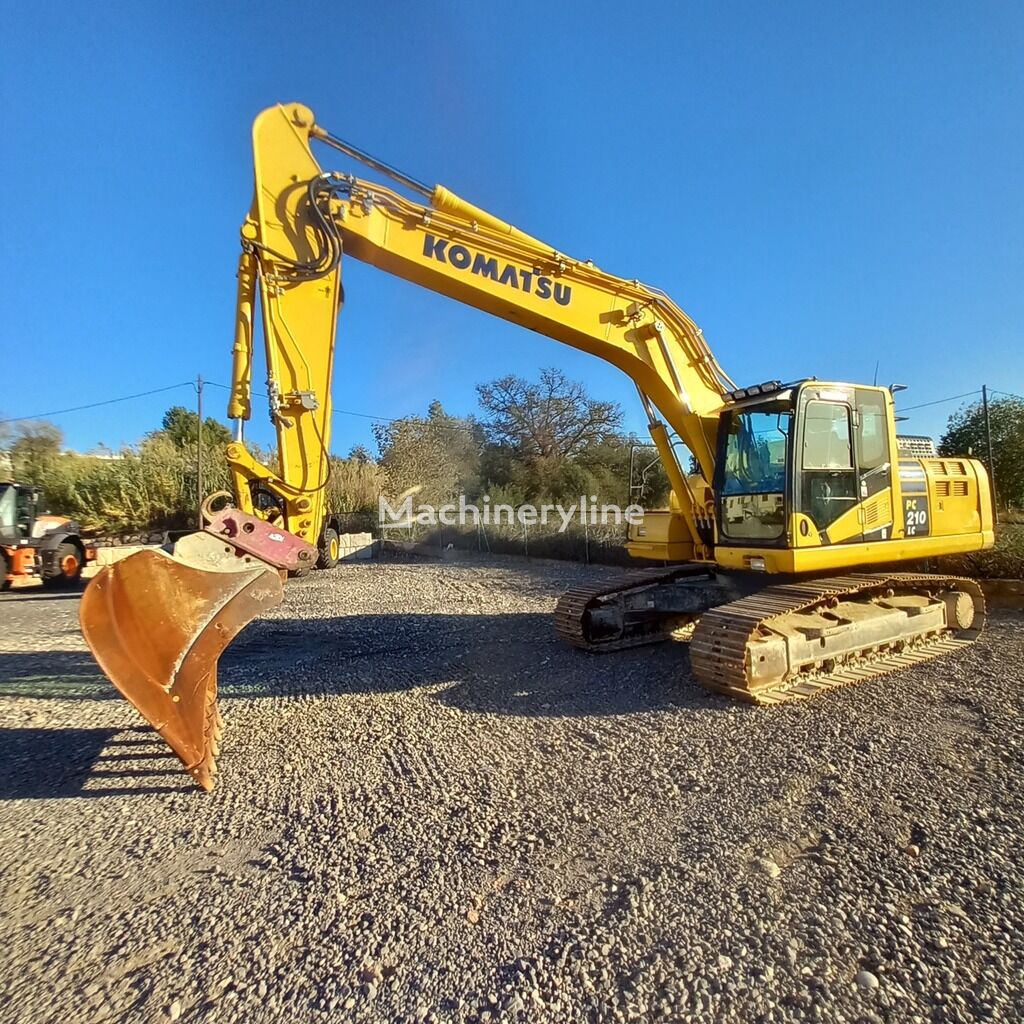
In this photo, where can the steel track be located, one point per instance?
(719, 645)
(573, 605)
(718, 650)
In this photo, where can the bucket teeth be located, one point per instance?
(214, 727)
(157, 628)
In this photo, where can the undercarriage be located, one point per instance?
(767, 644)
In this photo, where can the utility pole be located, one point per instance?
(991, 461)
(199, 451)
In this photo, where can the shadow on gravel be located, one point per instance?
(43, 594)
(505, 664)
(499, 664)
(61, 675)
(38, 764)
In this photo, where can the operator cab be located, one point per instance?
(18, 509)
(797, 465)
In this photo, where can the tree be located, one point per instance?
(550, 441)
(354, 485)
(965, 434)
(181, 426)
(439, 454)
(36, 447)
(552, 419)
(6, 465)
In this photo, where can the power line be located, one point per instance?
(346, 412)
(385, 419)
(470, 428)
(338, 412)
(414, 416)
(940, 401)
(96, 405)
(399, 419)
(623, 437)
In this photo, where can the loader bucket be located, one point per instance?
(157, 627)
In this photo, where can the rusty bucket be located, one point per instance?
(157, 627)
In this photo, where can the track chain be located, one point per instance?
(570, 612)
(720, 642)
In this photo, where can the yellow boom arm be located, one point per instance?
(301, 220)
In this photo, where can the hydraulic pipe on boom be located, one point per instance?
(797, 479)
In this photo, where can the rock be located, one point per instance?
(473, 915)
(515, 1005)
(174, 1010)
(768, 867)
(866, 981)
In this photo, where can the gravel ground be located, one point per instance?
(430, 810)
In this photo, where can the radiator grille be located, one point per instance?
(916, 446)
(947, 467)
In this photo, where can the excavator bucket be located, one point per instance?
(157, 626)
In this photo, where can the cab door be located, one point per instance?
(26, 510)
(826, 477)
(874, 463)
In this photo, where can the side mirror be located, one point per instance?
(893, 388)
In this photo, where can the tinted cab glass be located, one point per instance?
(752, 484)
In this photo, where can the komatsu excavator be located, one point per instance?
(777, 548)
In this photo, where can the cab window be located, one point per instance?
(871, 438)
(872, 432)
(754, 474)
(26, 505)
(827, 484)
(8, 515)
(827, 436)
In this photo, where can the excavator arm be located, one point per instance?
(301, 223)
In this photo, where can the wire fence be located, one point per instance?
(603, 544)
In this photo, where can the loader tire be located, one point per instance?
(330, 549)
(70, 561)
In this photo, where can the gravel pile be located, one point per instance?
(428, 809)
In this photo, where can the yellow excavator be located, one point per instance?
(775, 553)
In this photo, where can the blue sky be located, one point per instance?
(822, 187)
